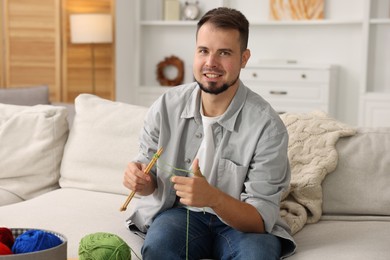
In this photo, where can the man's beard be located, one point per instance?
(214, 90)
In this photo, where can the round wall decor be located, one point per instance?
(170, 63)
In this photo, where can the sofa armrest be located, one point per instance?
(25, 96)
(360, 183)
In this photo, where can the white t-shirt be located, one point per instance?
(206, 150)
(206, 154)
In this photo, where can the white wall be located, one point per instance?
(125, 50)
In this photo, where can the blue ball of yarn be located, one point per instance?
(35, 240)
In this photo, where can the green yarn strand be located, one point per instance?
(171, 167)
(187, 232)
(171, 172)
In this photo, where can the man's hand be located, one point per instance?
(197, 192)
(136, 180)
(194, 191)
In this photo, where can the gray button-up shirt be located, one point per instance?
(250, 162)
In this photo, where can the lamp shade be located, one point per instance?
(90, 28)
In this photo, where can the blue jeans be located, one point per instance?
(208, 237)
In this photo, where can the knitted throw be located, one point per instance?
(312, 154)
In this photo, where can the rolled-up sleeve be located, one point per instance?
(268, 177)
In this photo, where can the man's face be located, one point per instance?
(218, 59)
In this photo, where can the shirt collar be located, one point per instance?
(228, 119)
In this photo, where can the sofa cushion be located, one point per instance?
(25, 96)
(71, 112)
(360, 183)
(74, 213)
(32, 140)
(340, 240)
(102, 140)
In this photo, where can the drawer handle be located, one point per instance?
(303, 76)
(254, 74)
(273, 92)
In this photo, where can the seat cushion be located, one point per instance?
(74, 213)
(340, 240)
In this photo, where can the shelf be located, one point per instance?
(377, 95)
(259, 23)
(286, 64)
(168, 23)
(155, 87)
(307, 22)
(380, 21)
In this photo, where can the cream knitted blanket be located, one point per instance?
(312, 155)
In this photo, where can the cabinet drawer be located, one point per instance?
(377, 111)
(293, 88)
(312, 93)
(285, 75)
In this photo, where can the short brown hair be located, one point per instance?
(227, 18)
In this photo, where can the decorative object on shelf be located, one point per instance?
(91, 28)
(171, 10)
(191, 10)
(296, 9)
(167, 64)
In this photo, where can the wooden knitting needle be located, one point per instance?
(147, 170)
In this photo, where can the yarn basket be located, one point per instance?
(35, 240)
(101, 245)
(31, 244)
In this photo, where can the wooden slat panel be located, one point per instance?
(33, 44)
(33, 35)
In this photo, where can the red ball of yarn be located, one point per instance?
(6, 237)
(5, 250)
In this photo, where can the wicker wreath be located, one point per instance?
(170, 61)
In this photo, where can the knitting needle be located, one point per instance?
(147, 170)
(198, 173)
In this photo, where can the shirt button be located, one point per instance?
(198, 135)
(188, 160)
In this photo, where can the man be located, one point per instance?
(237, 141)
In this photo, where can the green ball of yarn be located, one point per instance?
(103, 246)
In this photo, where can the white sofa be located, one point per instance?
(75, 187)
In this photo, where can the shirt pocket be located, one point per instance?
(231, 177)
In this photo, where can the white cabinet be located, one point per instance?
(377, 110)
(375, 93)
(294, 88)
